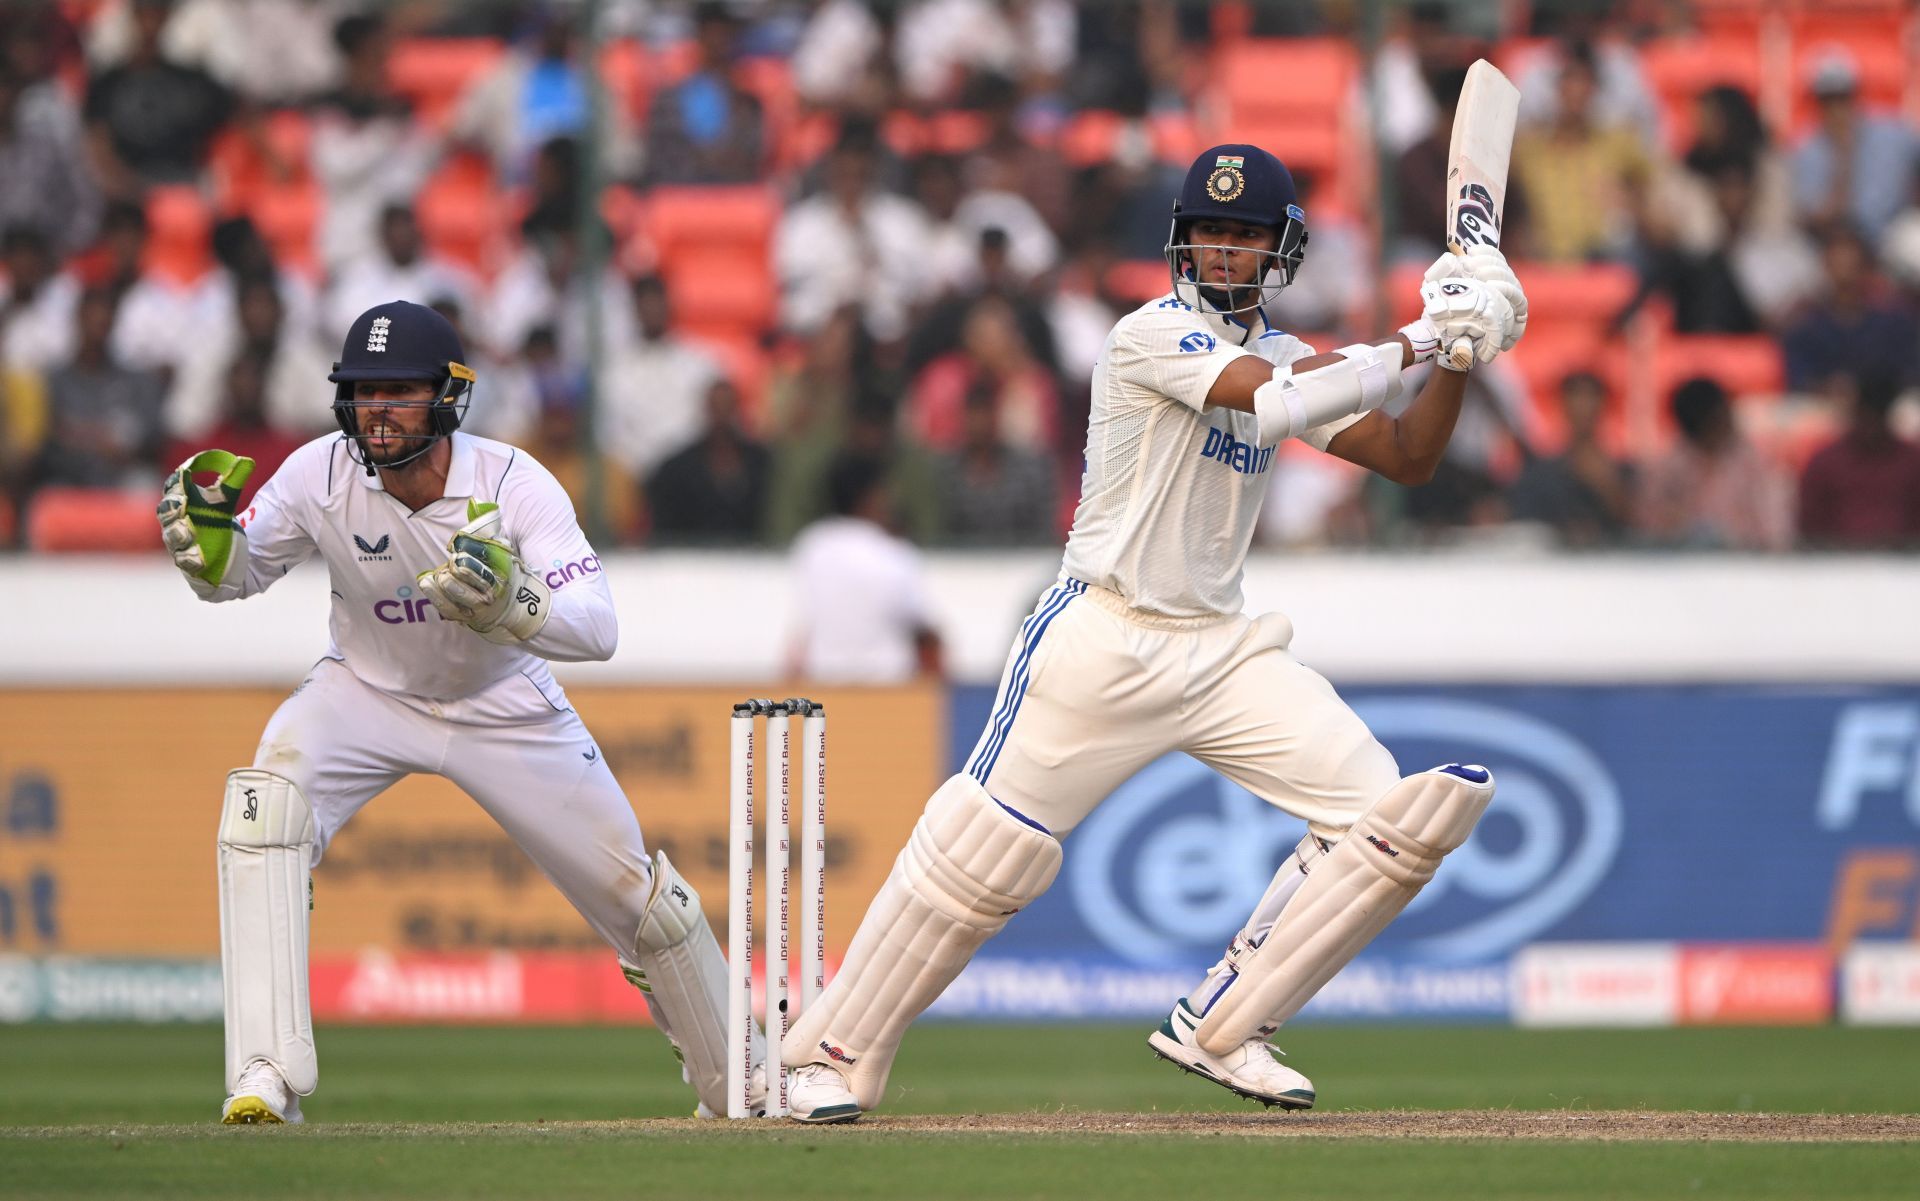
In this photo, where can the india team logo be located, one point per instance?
(1228, 179)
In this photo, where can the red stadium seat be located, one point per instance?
(1139, 280)
(288, 217)
(462, 214)
(1679, 69)
(92, 519)
(180, 227)
(1883, 59)
(1745, 365)
(434, 73)
(681, 216)
(1089, 136)
(1592, 294)
(1292, 96)
(714, 250)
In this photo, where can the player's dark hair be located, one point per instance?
(852, 481)
(1875, 391)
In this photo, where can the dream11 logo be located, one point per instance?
(1169, 866)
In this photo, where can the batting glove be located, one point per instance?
(484, 585)
(1488, 265)
(1467, 308)
(197, 521)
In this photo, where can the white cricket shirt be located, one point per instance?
(860, 600)
(385, 631)
(1172, 488)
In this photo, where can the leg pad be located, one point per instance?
(265, 861)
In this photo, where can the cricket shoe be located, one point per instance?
(262, 1096)
(818, 1094)
(1249, 1069)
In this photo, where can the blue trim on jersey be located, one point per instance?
(1024, 819)
(1031, 631)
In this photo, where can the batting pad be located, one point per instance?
(1349, 896)
(266, 854)
(684, 976)
(969, 866)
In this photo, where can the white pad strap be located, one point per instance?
(968, 867)
(684, 975)
(265, 857)
(1291, 403)
(1350, 895)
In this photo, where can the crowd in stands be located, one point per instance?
(708, 255)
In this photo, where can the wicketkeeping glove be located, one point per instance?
(484, 586)
(197, 521)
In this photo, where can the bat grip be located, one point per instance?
(1461, 353)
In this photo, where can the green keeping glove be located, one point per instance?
(484, 586)
(197, 521)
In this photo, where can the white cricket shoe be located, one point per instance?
(1249, 1069)
(262, 1096)
(818, 1094)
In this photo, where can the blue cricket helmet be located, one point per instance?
(400, 340)
(1237, 182)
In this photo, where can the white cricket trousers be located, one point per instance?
(1094, 690)
(542, 778)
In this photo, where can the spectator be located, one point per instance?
(1011, 164)
(1712, 489)
(243, 254)
(993, 494)
(715, 490)
(294, 360)
(1081, 312)
(506, 402)
(708, 128)
(366, 149)
(803, 467)
(1727, 277)
(943, 328)
(36, 303)
(1583, 493)
(272, 51)
(160, 319)
(863, 611)
(1333, 295)
(400, 268)
(840, 61)
(554, 203)
(1582, 178)
(547, 284)
(994, 358)
(538, 92)
(1862, 490)
(240, 423)
(1854, 326)
(939, 44)
(559, 392)
(852, 245)
(1488, 438)
(1854, 166)
(44, 180)
(150, 120)
(1622, 97)
(104, 428)
(654, 402)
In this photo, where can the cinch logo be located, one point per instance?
(407, 610)
(1244, 457)
(374, 552)
(562, 572)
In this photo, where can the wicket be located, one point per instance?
(776, 789)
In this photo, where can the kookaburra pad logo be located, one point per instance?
(1477, 221)
(1227, 180)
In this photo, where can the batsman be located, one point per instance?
(458, 572)
(1141, 649)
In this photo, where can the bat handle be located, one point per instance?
(1461, 353)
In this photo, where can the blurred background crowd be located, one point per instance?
(713, 261)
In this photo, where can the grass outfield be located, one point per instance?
(116, 1111)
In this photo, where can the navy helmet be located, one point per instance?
(1237, 182)
(400, 340)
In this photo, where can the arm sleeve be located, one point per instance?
(1284, 350)
(582, 625)
(274, 529)
(1170, 351)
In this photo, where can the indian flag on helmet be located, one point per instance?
(1230, 160)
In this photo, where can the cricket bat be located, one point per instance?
(1477, 158)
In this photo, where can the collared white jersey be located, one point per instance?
(1172, 488)
(383, 629)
